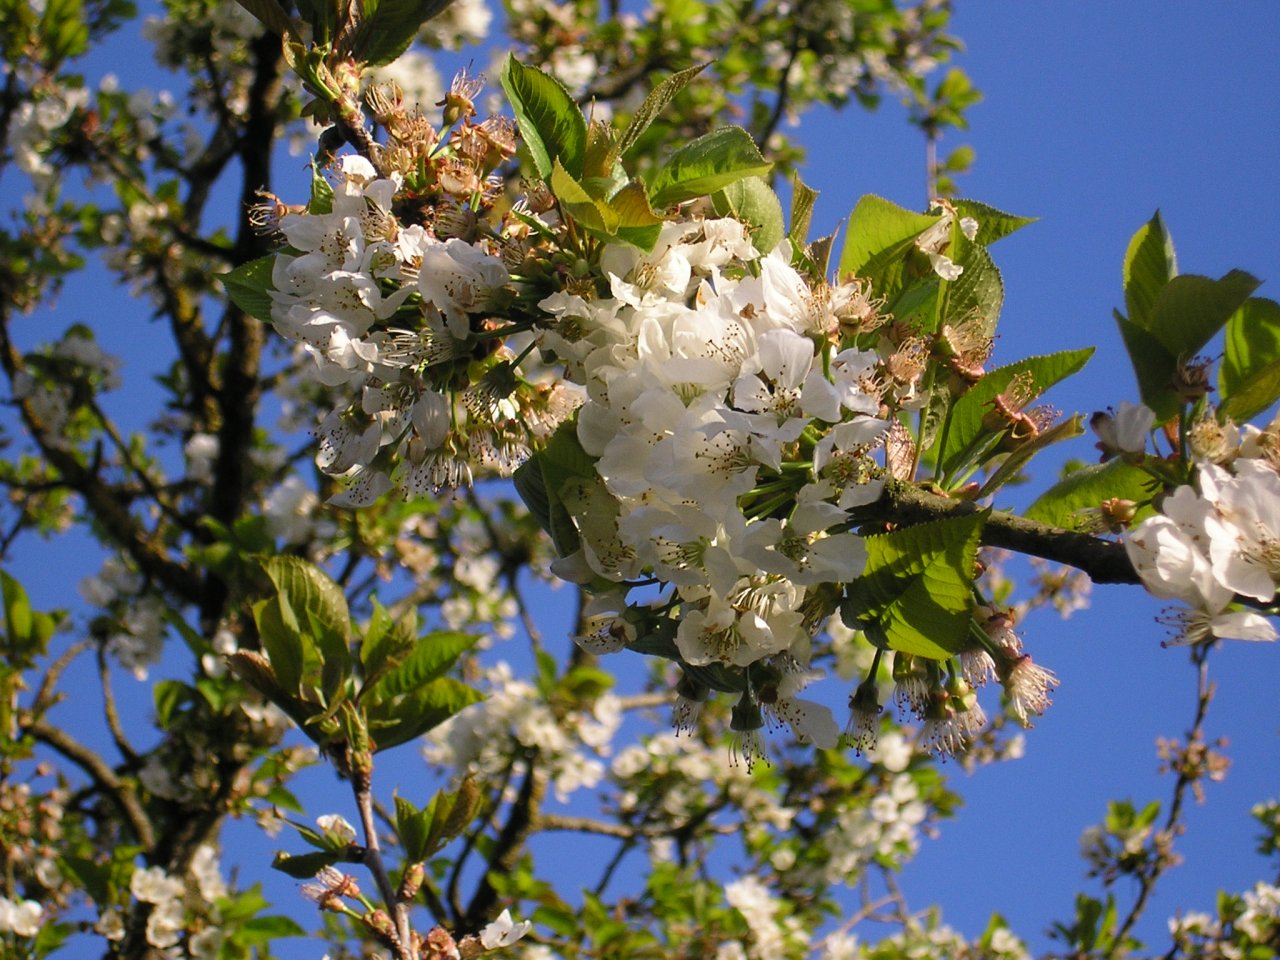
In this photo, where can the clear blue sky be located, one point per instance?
(1096, 114)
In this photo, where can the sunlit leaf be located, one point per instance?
(654, 104)
(880, 236)
(387, 32)
(753, 201)
(550, 122)
(993, 224)
(429, 659)
(1066, 502)
(1149, 264)
(917, 591)
(707, 164)
(249, 286)
(1191, 309)
(1249, 378)
(964, 433)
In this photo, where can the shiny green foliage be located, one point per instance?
(916, 595)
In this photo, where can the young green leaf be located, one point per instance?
(304, 866)
(1249, 378)
(386, 641)
(654, 104)
(993, 224)
(389, 27)
(249, 286)
(318, 603)
(1191, 309)
(803, 199)
(917, 591)
(550, 122)
(753, 201)
(1067, 502)
(977, 292)
(280, 638)
(880, 236)
(1154, 367)
(1149, 264)
(414, 713)
(591, 212)
(964, 435)
(637, 223)
(411, 828)
(429, 659)
(707, 164)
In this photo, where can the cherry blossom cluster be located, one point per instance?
(1217, 542)
(731, 436)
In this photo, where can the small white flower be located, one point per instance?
(336, 829)
(503, 932)
(1124, 430)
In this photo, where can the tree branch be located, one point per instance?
(1105, 561)
(103, 777)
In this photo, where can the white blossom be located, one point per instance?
(503, 932)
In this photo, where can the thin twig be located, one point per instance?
(103, 777)
(1188, 775)
(45, 695)
(373, 860)
(109, 710)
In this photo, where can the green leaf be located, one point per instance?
(304, 866)
(594, 511)
(978, 291)
(17, 613)
(168, 696)
(707, 164)
(249, 286)
(315, 598)
(803, 200)
(1010, 466)
(637, 223)
(386, 641)
(1154, 367)
(1191, 309)
(1149, 264)
(654, 104)
(965, 433)
(413, 714)
(430, 658)
(540, 479)
(321, 201)
(265, 930)
(753, 201)
(1063, 504)
(282, 641)
(1249, 378)
(917, 591)
(993, 224)
(64, 31)
(880, 236)
(591, 212)
(550, 122)
(448, 814)
(384, 35)
(411, 828)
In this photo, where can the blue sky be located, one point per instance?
(1095, 115)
